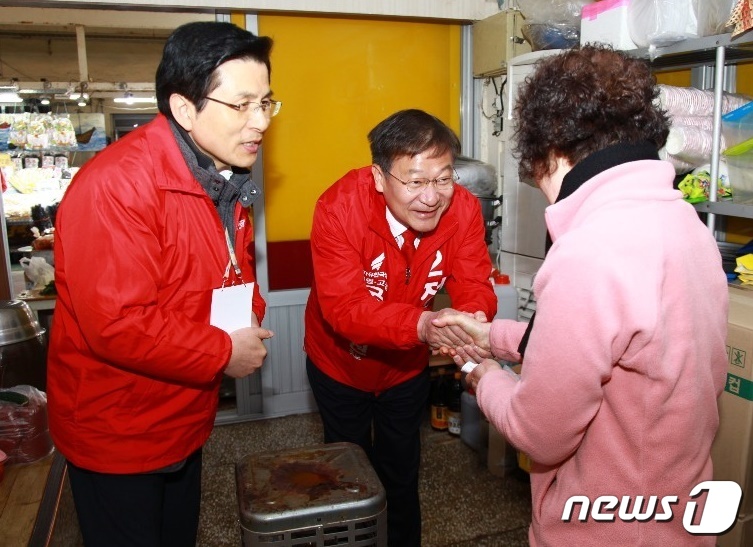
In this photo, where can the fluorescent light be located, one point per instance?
(134, 100)
(10, 97)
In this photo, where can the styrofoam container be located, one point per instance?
(606, 22)
(737, 125)
(739, 160)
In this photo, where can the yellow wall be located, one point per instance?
(337, 78)
(679, 78)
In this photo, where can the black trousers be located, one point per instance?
(386, 426)
(158, 509)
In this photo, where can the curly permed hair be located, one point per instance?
(581, 101)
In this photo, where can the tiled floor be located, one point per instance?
(463, 504)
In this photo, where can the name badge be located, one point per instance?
(231, 307)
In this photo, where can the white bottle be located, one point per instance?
(507, 296)
(474, 429)
(502, 456)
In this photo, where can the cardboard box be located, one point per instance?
(606, 22)
(502, 457)
(496, 40)
(740, 535)
(732, 450)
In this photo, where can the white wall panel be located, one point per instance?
(459, 10)
(285, 388)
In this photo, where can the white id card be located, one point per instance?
(231, 307)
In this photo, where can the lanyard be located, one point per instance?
(233, 261)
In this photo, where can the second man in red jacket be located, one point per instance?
(385, 239)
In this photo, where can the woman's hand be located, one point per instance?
(477, 330)
(474, 377)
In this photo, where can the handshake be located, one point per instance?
(462, 335)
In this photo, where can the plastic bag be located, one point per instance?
(713, 16)
(476, 176)
(551, 24)
(39, 272)
(552, 11)
(24, 434)
(660, 23)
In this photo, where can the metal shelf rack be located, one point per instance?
(719, 51)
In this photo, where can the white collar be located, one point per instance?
(396, 227)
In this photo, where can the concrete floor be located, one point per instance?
(463, 504)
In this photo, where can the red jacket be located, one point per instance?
(134, 367)
(361, 317)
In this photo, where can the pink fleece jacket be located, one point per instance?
(618, 391)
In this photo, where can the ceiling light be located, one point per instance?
(79, 92)
(128, 98)
(7, 96)
(45, 101)
(82, 102)
(9, 93)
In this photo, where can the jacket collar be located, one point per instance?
(600, 161)
(220, 189)
(641, 180)
(604, 159)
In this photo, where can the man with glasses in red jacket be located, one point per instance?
(385, 239)
(153, 255)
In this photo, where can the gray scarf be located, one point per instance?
(223, 193)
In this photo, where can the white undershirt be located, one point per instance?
(398, 229)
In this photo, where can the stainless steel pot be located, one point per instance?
(481, 180)
(23, 346)
(17, 322)
(478, 177)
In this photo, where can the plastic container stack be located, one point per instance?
(737, 128)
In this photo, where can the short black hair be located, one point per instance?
(194, 51)
(410, 132)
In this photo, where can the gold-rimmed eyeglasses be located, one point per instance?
(268, 107)
(418, 185)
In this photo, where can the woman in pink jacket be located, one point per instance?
(622, 367)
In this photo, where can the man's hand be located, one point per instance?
(469, 352)
(477, 331)
(436, 337)
(248, 351)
